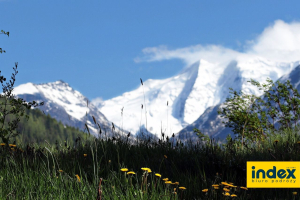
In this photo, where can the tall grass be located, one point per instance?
(49, 171)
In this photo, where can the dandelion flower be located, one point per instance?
(205, 190)
(60, 170)
(158, 175)
(216, 185)
(130, 172)
(233, 195)
(227, 194)
(294, 193)
(12, 145)
(165, 156)
(226, 190)
(244, 188)
(165, 179)
(78, 177)
(2, 144)
(168, 182)
(124, 169)
(182, 188)
(176, 183)
(85, 155)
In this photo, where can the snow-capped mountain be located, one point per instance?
(190, 93)
(66, 105)
(210, 123)
(177, 104)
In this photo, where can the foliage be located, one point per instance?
(5, 33)
(201, 136)
(40, 128)
(248, 120)
(11, 106)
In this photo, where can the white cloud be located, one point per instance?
(278, 42)
(98, 102)
(188, 54)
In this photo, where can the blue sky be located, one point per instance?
(103, 48)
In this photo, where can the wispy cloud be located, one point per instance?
(98, 102)
(188, 54)
(278, 42)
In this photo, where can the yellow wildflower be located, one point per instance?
(226, 194)
(78, 177)
(146, 169)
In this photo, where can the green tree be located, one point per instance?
(9, 105)
(5, 33)
(246, 117)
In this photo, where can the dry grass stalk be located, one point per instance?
(99, 190)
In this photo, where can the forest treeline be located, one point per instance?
(40, 127)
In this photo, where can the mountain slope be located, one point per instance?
(210, 123)
(189, 93)
(66, 105)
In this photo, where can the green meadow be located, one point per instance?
(85, 167)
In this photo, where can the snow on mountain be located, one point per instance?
(174, 105)
(210, 123)
(66, 105)
(189, 93)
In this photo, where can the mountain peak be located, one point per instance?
(189, 93)
(60, 81)
(65, 104)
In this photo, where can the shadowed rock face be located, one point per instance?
(209, 123)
